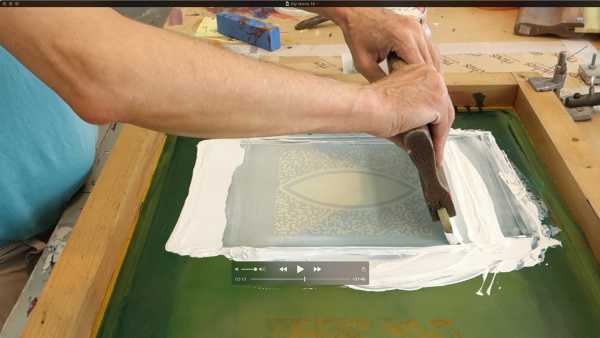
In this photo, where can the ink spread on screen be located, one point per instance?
(357, 197)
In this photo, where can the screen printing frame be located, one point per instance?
(77, 293)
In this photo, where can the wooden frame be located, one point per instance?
(75, 297)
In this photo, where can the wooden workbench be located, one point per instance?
(76, 292)
(466, 25)
(448, 25)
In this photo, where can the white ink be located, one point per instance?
(482, 248)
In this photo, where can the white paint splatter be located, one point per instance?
(482, 247)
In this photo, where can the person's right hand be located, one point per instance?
(409, 98)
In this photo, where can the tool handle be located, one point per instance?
(310, 22)
(419, 145)
(585, 100)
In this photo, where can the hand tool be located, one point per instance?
(559, 21)
(310, 22)
(419, 145)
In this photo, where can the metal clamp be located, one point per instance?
(581, 106)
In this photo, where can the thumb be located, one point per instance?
(368, 67)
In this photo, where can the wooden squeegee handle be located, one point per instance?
(419, 145)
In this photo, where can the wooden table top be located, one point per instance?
(448, 25)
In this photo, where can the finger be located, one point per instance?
(410, 54)
(440, 131)
(435, 54)
(439, 134)
(424, 49)
(368, 67)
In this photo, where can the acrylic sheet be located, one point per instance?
(327, 191)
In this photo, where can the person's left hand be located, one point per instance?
(372, 33)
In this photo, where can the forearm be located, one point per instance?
(113, 69)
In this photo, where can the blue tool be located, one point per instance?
(254, 32)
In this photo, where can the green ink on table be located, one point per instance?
(160, 294)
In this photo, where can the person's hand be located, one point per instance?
(372, 33)
(406, 99)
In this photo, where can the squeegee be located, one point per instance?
(419, 145)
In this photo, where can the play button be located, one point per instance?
(299, 269)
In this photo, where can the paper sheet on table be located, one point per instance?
(208, 29)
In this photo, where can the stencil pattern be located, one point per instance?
(405, 213)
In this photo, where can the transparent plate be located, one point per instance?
(343, 190)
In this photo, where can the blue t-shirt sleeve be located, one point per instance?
(45, 153)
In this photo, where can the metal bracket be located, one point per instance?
(544, 84)
(479, 100)
(580, 114)
(578, 106)
(587, 72)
